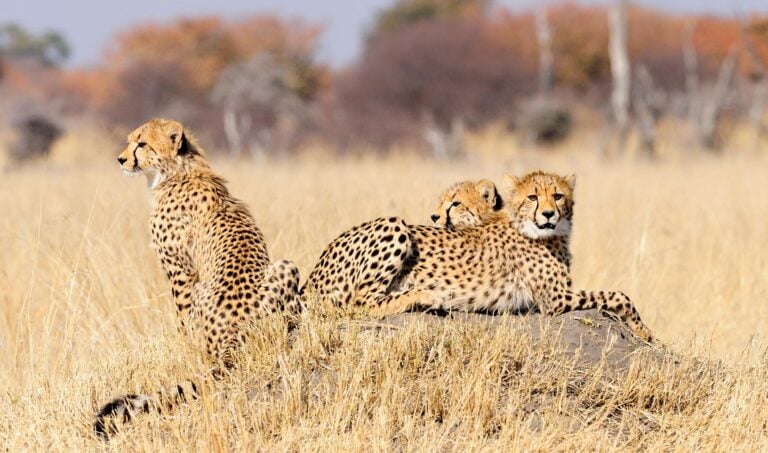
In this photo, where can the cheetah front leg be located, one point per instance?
(615, 302)
(183, 278)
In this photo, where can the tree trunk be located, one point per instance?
(760, 96)
(620, 68)
(711, 109)
(691, 63)
(544, 40)
(757, 111)
(232, 133)
(445, 144)
(647, 111)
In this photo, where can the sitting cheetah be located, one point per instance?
(210, 249)
(467, 204)
(516, 262)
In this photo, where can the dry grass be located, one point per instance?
(86, 315)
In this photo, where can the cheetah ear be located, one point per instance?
(176, 133)
(510, 183)
(184, 147)
(570, 179)
(487, 190)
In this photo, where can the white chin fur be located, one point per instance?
(529, 229)
(130, 172)
(153, 178)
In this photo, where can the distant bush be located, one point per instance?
(35, 134)
(265, 103)
(430, 74)
(545, 123)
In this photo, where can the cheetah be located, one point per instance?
(466, 204)
(516, 262)
(211, 251)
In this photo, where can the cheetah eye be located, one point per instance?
(558, 196)
(142, 144)
(455, 204)
(533, 197)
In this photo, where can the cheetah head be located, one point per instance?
(467, 204)
(155, 149)
(542, 203)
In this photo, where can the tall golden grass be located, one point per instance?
(86, 315)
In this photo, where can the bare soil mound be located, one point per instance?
(587, 335)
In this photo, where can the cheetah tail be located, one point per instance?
(122, 410)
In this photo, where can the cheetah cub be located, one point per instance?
(517, 261)
(466, 204)
(210, 249)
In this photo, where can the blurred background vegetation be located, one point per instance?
(431, 72)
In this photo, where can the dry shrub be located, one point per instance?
(34, 137)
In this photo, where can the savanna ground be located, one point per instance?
(86, 314)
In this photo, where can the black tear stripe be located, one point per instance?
(135, 159)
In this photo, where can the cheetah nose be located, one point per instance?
(548, 214)
(435, 217)
(121, 160)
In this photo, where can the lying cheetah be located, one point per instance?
(466, 204)
(517, 261)
(210, 249)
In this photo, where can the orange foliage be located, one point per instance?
(580, 40)
(580, 43)
(713, 37)
(205, 46)
(651, 31)
(199, 48)
(516, 33)
(29, 78)
(93, 86)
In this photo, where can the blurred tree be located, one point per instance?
(17, 43)
(438, 74)
(404, 13)
(580, 44)
(204, 47)
(151, 88)
(756, 114)
(546, 59)
(579, 35)
(620, 68)
(265, 102)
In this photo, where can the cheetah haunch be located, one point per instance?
(209, 248)
(517, 261)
